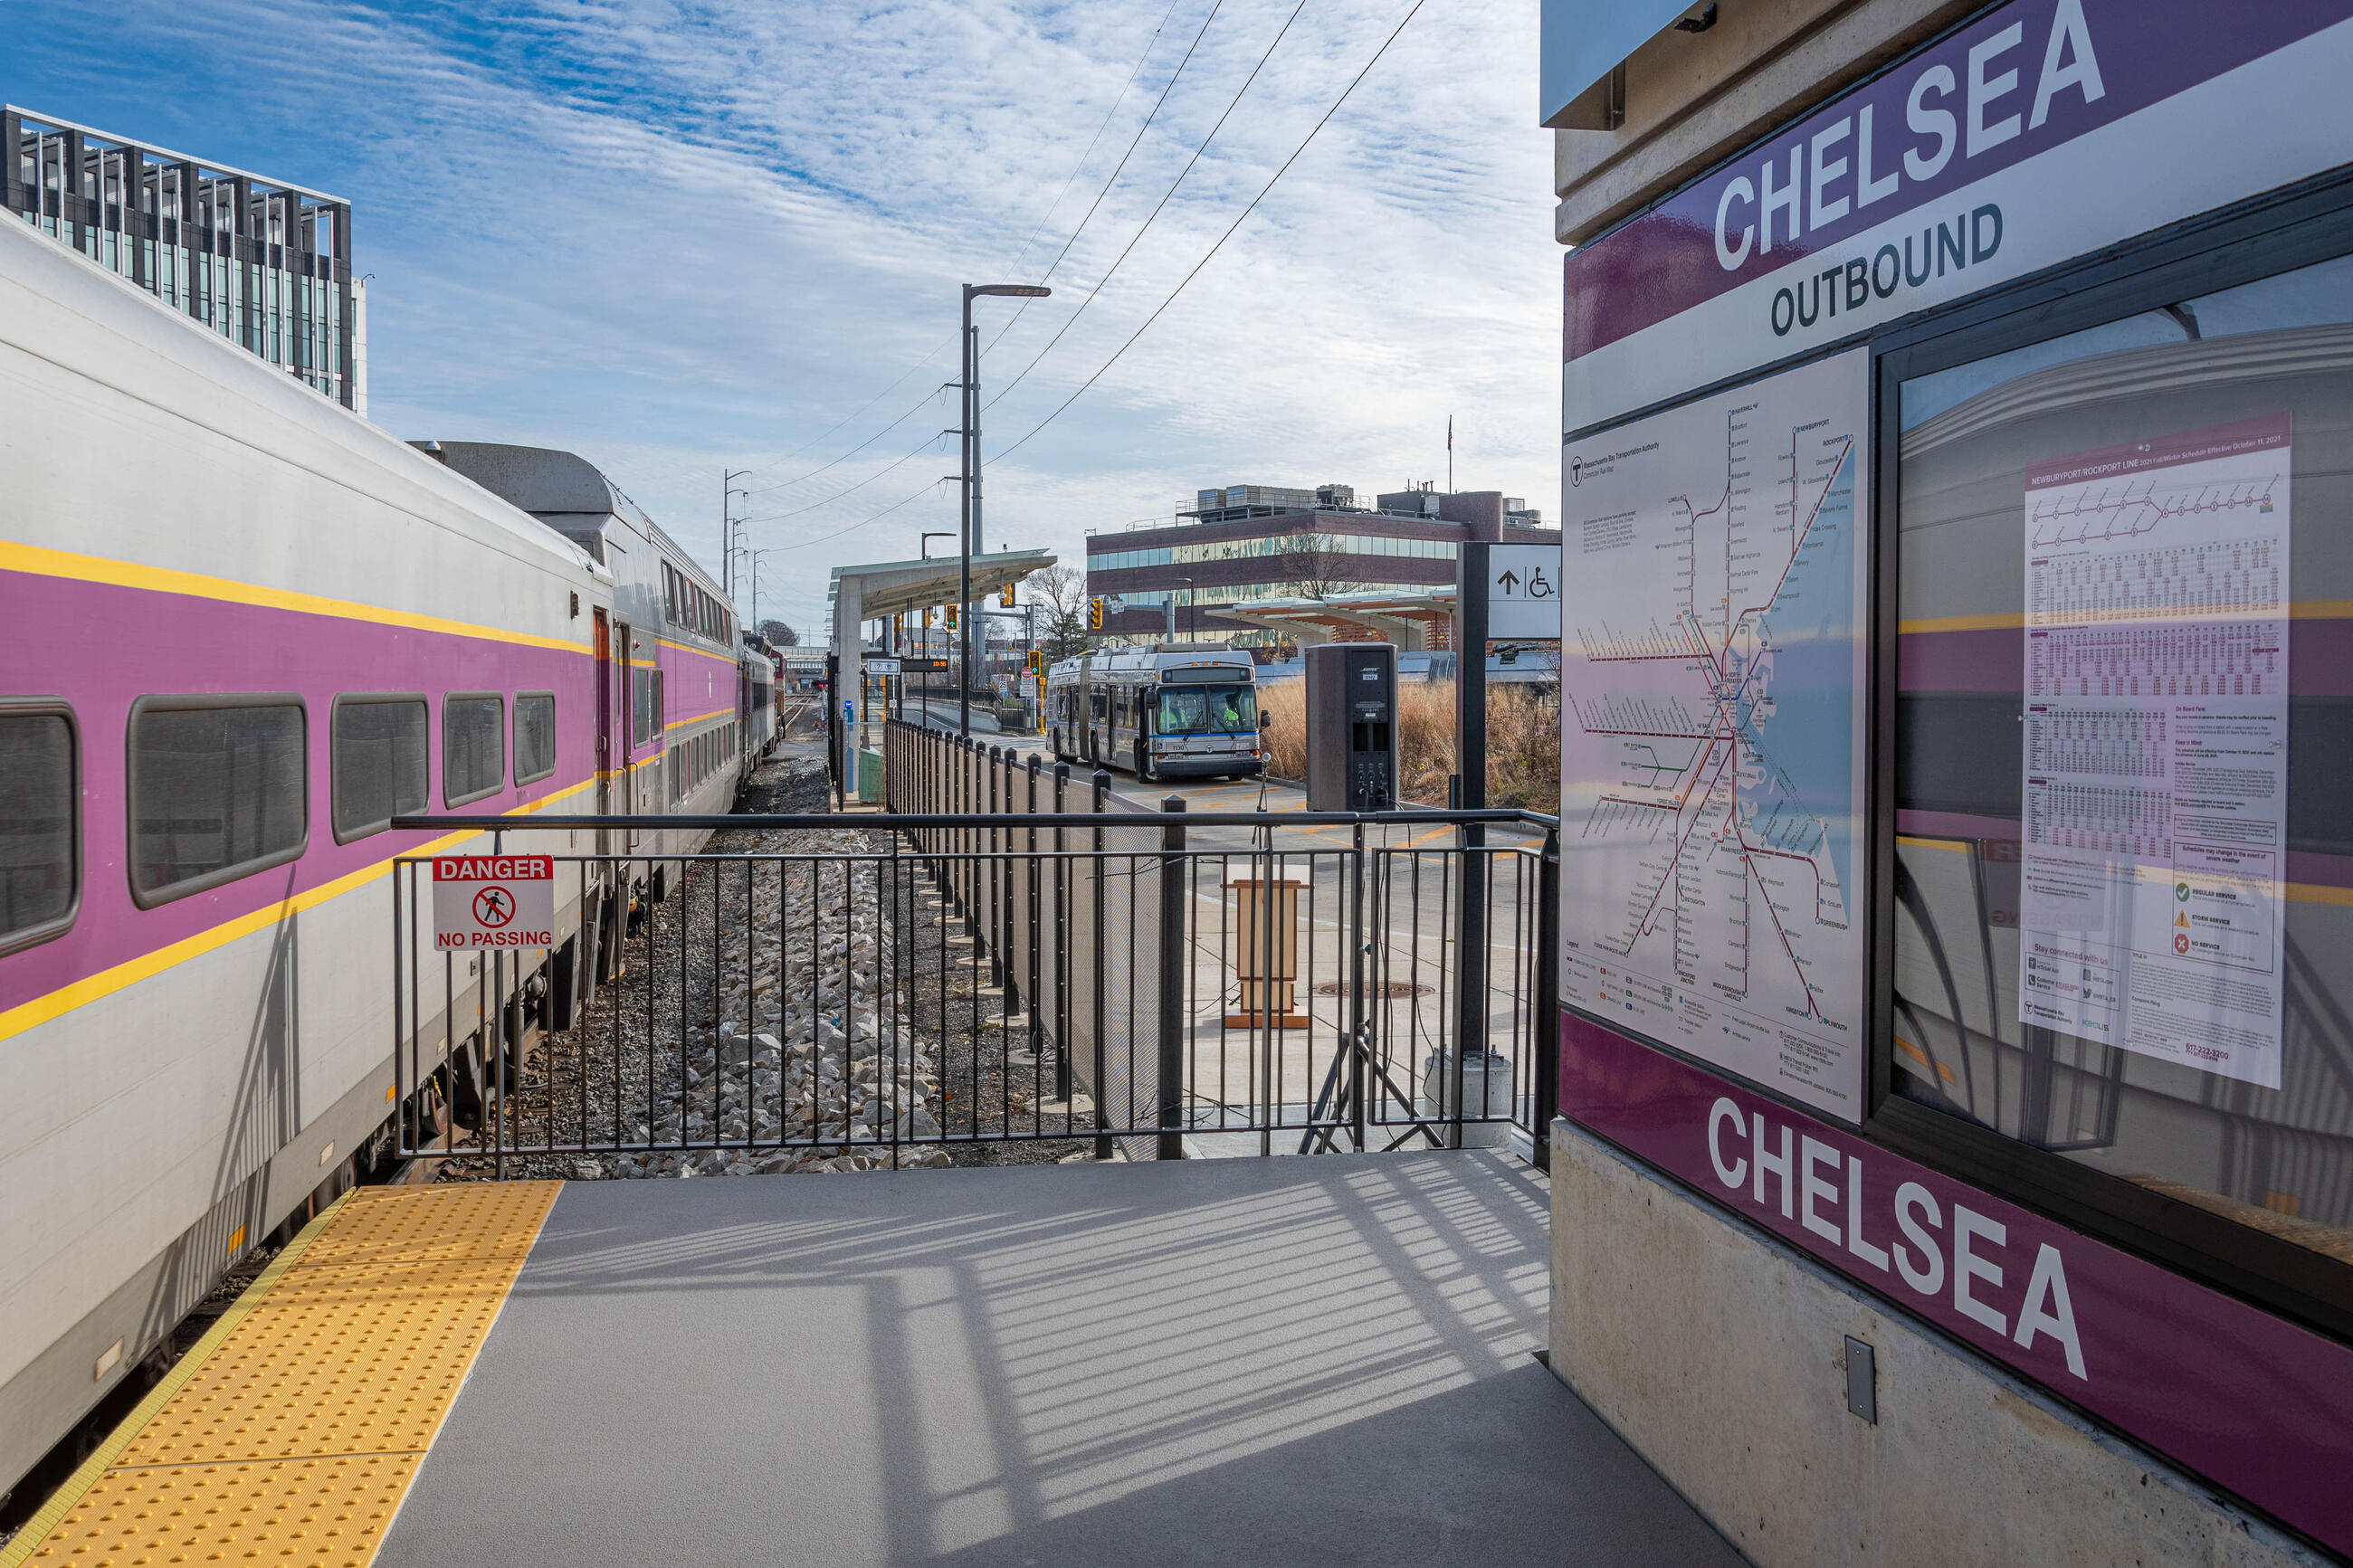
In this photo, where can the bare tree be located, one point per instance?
(779, 635)
(1319, 567)
(1061, 594)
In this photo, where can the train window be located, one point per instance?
(534, 735)
(473, 745)
(217, 791)
(380, 769)
(40, 873)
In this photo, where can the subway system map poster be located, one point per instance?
(1713, 682)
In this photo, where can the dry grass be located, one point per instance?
(1523, 741)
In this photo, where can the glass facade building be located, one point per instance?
(263, 263)
(1246, 543)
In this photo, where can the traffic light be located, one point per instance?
(1094, 615)
(1004, 597)
(1036, 662)
(952, 618)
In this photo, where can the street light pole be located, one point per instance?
(970, 426)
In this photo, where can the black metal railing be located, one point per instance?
(1005, 953)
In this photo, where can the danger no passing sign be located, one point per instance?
(493, 900)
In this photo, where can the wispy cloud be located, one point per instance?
(677, 237)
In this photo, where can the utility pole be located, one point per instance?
(727, 494)
(970, 424)
(964, 571)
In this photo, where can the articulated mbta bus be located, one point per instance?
(1160, 713)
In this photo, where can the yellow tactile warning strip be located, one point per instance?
(290, 1434)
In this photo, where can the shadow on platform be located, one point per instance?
(1231, 1362)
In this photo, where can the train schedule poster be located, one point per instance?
(2155, 751)
(1713, 583)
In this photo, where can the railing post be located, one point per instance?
(1033, 885)
(1545, 1038)
(1101, 784)
(1173, 864)
(1358, 1115)
(985, 893)
(1061, 943)
(1007, 947)
(1471, 975)
(964, 834)
(1001, 842)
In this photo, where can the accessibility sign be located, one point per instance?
(1523, 591)
(493, 900)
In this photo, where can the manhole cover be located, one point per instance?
(1387, 988)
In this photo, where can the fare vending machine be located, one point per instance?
(1351, 727)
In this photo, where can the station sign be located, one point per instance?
(1523, 591)
(878, 666)
(483, 901)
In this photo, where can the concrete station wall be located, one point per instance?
(1719, 1353)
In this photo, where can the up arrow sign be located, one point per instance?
(1520, 585)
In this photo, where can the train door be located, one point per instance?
(602, 638)
(627, 717)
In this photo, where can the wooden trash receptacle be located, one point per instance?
(1266, 952)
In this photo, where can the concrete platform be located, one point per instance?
(1224, 1362)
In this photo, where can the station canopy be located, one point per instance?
(1408, 620)
(887, 587)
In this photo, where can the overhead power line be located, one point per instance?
(877, 516)
(1166, 196)
(928, 396)
(1075, 170)
(1004, 452)
(928, 442)
(1133, 143)
(853, 414)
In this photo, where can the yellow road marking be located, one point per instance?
(294, 1428)
(39, 562)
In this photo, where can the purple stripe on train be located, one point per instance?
(101, 646)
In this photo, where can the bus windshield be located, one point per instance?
(1207, 710)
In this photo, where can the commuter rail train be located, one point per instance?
(1161, 712)
(247, 629)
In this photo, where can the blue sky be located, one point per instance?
(681, 237)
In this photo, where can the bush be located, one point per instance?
(1523, 741)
